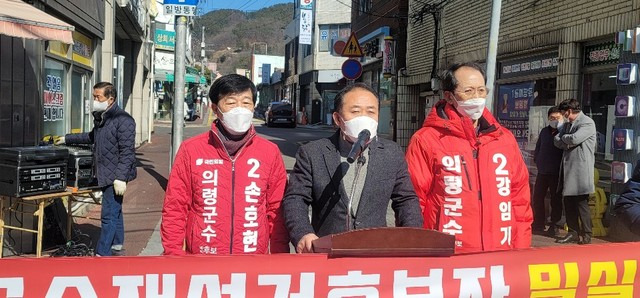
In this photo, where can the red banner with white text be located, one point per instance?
(608, 270)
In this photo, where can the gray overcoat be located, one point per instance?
(578, 140)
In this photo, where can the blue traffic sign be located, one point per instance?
(181, 2)
(351, 69)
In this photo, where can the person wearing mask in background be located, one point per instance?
(468, 170)
(346, 196)
(548, 158)
(225, 188)
(113, 136)
(578, 140)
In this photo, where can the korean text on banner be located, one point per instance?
(306, 26)
(571, 271)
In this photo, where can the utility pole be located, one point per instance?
(493, 50)
(179, 77)
(202, 53)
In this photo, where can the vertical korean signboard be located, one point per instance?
(306, 22)
(306, 26)
(514, 101)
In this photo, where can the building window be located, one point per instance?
(364, 6)
(306, 50)
(331, 33)
(55, 98)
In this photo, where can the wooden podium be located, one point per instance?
(387, 242)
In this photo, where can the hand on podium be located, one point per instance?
(305, 245)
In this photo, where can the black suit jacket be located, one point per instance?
(316, 180)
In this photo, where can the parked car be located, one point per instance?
(280, 113)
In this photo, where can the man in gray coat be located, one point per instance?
(578, 140)
(345, 196)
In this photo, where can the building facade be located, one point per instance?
(381, 28)
(312, 73)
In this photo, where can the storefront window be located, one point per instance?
(599, 93)
(54, 98)
(522, 108)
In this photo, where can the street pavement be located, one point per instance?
(144, 197)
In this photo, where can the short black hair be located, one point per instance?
(337, 102)
(109, 89)
(552, 110)
(449, 82)
(231, 84)
(569, 104)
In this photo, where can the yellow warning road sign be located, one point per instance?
(352, 48)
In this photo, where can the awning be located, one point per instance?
(19, 19)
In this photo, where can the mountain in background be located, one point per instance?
(230, 35)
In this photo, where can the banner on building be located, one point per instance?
(569, 271)
(514, 101)
(306, 26)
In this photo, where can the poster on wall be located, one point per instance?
(53, 106)
(538, 119)
(625, 106)
(622, 139)
(514, 101)
(621, 171)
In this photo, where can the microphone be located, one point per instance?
(359, 145)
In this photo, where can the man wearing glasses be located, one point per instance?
(468, 170)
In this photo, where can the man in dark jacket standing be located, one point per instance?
(548, 158)
(346, 196)
(113, 137)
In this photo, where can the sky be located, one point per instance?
(245, 5)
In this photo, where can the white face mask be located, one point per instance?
(473, 108)
(100, 106)
(554, 123)
(237, 121)
(354, 126)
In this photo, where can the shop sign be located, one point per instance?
(371, 48)
(527, 66)
(165, 40)
(306, 4)
(53, 99)
(164, 61)
(306, 26)
(59, 48)
(388, 57)
(607, 53)
(514, 101)
(82, 49)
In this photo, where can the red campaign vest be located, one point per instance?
(473, 187)
(220, 205)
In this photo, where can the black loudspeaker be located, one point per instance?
(54, 225)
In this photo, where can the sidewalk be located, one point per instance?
(143, 199)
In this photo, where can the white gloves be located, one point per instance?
(59, 141)
(119, 187)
